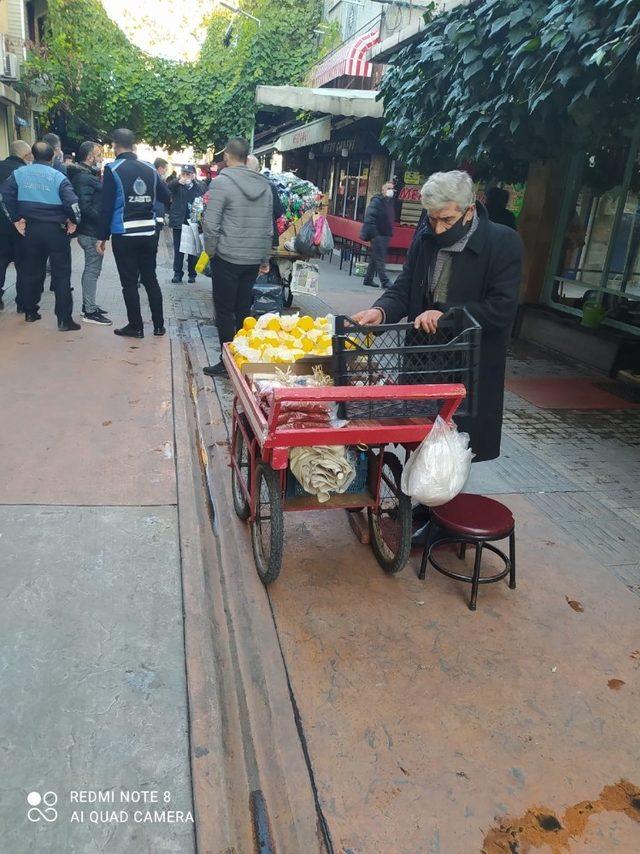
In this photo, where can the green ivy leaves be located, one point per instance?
(506, 82)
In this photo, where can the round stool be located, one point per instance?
(471, 520)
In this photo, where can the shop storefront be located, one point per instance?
(595, 259)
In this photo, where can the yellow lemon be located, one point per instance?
(307, 345)
(305, 323)
(249, 323)
(274, 324)
(297, 332)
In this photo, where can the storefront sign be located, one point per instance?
(413, 178)
(335, 146)
(310, 134)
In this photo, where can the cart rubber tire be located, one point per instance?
(287, 296)
(268, 560)
(240, 503)
(392, 557)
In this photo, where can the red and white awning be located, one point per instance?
(348, 60)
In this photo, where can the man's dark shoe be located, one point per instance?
(1, 303)
(159, 330)
(218, 370)
(191, 280)
(420, 515)
(97, 310)
(68, 325)
(176, 280)
(19, 308)
(32, 316)
(129, 331)
(370, 284)
(419, 539)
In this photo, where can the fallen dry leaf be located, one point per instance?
(107, 423)
(615, 684)
(573, 603)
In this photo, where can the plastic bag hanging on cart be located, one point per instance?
(304, 243)
(439, 469)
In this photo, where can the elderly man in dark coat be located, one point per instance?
(461, 258)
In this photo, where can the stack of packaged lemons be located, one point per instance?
(282, 339)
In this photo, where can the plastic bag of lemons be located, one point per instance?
(282, 339)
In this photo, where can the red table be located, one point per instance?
(347, 231)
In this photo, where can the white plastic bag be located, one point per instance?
(325, 247)
(190, 240)
(438, 470)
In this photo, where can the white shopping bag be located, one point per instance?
(438, 470)
(305, 278)
(190, 240)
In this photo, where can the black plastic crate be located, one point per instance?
(398, 354)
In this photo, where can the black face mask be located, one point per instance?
(452, 235)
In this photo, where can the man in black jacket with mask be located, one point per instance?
(184, 191)
(378, 228)
(129, 192)
(461, 258)
(20, 155)
(84, 175)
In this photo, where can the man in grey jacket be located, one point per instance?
(237, 228)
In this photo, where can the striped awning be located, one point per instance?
(348, 60)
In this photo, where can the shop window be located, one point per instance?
(598, 249)
(350, 199)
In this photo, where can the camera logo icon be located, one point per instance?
(42, 806)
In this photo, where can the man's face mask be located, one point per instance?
(453, 233)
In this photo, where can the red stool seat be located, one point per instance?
(474, 515)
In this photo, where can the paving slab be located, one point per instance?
(85, 416)
(425, 721)
(93, 678)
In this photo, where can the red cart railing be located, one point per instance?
(260, 463)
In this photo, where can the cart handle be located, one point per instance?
(435, 391)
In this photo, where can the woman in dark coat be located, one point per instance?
(461, 258)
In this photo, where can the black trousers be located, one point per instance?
(44, 240)
(136, 260)
(378, 260)
(178, 256)
(10, 251)
(232, 295)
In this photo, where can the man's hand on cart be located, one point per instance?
(264, 268)
(428, 320)
(368, 317)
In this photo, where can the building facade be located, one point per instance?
(21, 25)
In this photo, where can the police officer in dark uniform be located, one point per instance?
(42, 205)
(129, 193)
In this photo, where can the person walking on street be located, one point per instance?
(378, 228)
(161, 166)
(461, 259)
(129, 191)
(496, 201)
(184, 190)
(19, 155)
(238, 229)
(84, 175)
(44, 209)
(53, 140)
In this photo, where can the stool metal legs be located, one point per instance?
(438, 538)
(512, 559)
(476, 576)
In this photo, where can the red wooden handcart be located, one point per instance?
(260, 463)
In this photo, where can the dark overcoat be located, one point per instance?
(485, 279)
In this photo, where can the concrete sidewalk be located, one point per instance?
(433, 729)
(91, 627)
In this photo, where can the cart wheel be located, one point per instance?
(287, 296)
(390, 524)
(267, 530)
(243, 461)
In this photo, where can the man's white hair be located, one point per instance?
(442, 188)
(20, 148)
(253, 163)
